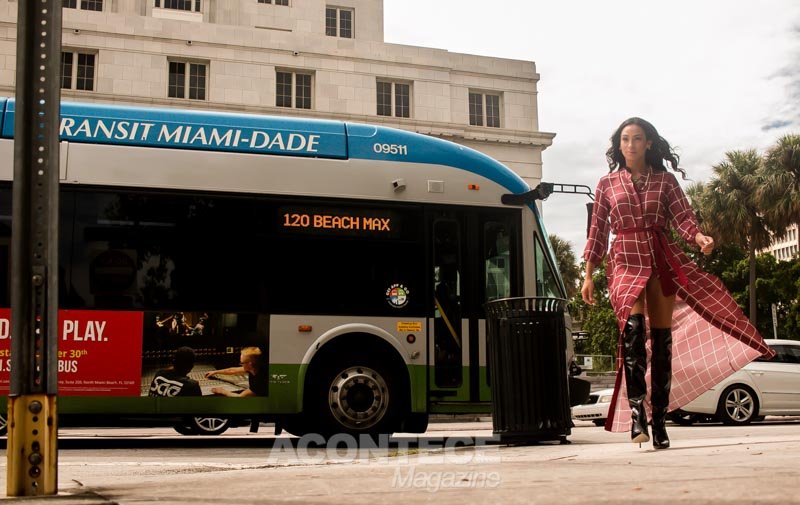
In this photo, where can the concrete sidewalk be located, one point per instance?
(707, 464)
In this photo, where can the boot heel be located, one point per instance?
(641, 438)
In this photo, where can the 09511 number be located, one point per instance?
(400, 149)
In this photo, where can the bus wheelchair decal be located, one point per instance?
(397, 295)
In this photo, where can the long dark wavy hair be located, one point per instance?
(659, 156)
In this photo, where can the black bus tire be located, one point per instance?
(296, 424)
(361, 396)
(184, 428)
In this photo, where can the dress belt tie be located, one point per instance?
(666, 262)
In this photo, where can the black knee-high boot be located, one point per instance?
(660, 383)
(635, 367)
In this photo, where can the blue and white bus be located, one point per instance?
(349, 262)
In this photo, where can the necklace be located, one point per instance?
(640, 183)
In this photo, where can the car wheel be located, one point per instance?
(599, 422)
(357, 398)
(738, 405)
(203, 426)
(683, 418)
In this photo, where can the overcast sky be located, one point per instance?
(711, 75)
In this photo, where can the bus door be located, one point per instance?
(471, 263)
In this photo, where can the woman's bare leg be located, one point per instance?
(659, 307)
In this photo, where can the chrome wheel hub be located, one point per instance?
(358, 397)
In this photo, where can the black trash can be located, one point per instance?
(526, 342)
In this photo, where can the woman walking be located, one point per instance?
(698, 333)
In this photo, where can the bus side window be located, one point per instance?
(546, 284)
(497, 264)
(447, 313)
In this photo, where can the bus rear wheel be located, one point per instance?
(203, 426)
(360, 398)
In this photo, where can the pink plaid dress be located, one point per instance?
(711, 337)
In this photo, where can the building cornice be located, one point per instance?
(75, 30)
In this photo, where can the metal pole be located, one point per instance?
(32, 434)
(774, 321)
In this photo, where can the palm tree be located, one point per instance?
(779, 196)
(567, 264)
(731, 212)
(695, 192)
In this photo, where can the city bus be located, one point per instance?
(349, 263)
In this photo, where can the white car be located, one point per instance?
(761, 388)
(596, 407)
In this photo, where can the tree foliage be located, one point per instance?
(779, 196)
(778, 284)
(731, 212)
(567, 264)
(598, 320)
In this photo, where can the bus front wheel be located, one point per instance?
(359, 398)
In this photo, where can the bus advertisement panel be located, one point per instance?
(121, 353)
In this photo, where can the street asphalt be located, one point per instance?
(706, 464)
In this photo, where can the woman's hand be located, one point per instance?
(587, 291)
(705, 243)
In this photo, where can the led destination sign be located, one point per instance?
(339, 221)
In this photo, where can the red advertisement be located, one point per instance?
(99, 352)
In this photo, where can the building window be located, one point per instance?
(293, 89)
(339, 22)
(484, 102)
(87, 5)
(179, 5)
(276, 2)
(394, 99)
(187, 80)
(77, 70)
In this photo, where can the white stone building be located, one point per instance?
(309, 58)
(787, 246)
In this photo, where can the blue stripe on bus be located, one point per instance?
(229, 132)
(388, 144)
(185, 129)
(3, 103)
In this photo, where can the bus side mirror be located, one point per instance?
(589, 208)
